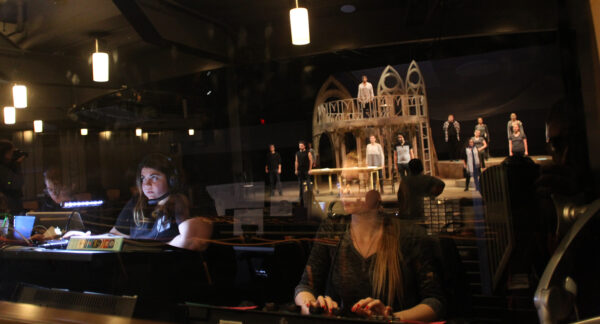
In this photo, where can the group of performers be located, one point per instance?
(476, 151)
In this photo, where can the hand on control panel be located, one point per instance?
(370, 307)
(323, 305)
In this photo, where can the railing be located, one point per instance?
(385, 106)
(496, 235)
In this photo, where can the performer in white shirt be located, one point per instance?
(375, 157)
(365, 96)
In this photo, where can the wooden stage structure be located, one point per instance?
(400, 106)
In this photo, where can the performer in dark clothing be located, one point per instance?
(403, 153)
(481, 145)
(302, 166)
(517, 143)
(485, 133)
(452, 136)
(11, 177)
(273, 169)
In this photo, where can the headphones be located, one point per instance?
(171, 171)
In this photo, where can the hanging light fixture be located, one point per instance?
(10, 115)
(19, 96)
(138, 132)
(84, 132)
(299, 25)
(191, 132)
(100, 65)
(38, 126)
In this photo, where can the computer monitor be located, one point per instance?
(65, 220)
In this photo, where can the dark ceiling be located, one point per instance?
(48, 44)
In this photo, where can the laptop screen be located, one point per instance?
(66, 221)
(23, 226)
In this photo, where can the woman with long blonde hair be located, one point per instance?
(371, 265)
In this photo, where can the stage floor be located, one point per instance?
(255, 195)
(454, 185)
(454, 169)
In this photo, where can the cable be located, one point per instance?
(23, 236)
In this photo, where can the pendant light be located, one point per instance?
(100, 65)
(19, 96)
(84, 132)
(38, 126)
(138, 132)
(10, 115)
(299, 25)
(191, 132)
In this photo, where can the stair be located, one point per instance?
(486, 309)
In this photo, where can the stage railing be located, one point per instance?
(385, 106)
(496, 235)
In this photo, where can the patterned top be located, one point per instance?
(365, 92)
(375, 156)
(456, 129)
(338, 270)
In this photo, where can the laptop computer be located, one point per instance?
(65, 220)
(23, 227)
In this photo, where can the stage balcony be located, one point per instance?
(383, 110)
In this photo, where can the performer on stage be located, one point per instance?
(485, 133)
(511, 123)
(377, 267)
(365, 96)
(452, 136)
(403, 154)
(481, 145)
(302, 165)
(376, 158)
(472, 165)
(517, 142)
(273, 169)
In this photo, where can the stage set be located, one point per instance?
(399, 107)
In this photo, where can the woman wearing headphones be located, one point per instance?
(160, 212)
(371, 265)
(158, 209)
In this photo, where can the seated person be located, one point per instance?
(55, 192)
(414, 187)
(159, 212)
(371, 265)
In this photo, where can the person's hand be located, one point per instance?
(296, 172)
(526, 153)
(21, 159)
(70, 234)
(511, 154)
(266, 170)
(371, 307)
(279, 171)
(324, 302)
(39, 238)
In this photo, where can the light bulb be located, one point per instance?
(19, 96)
(10, 115)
